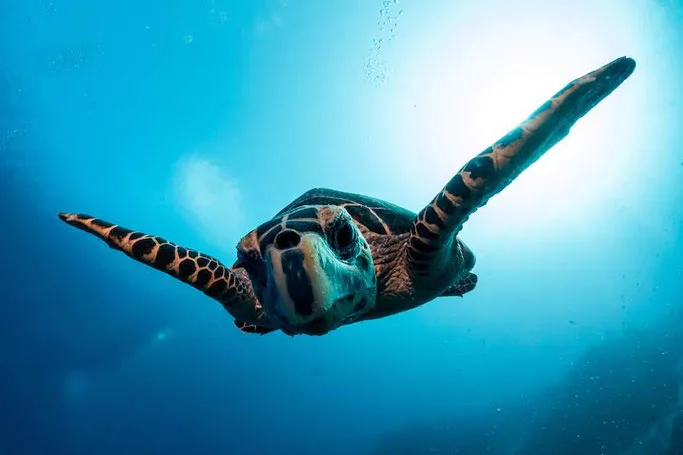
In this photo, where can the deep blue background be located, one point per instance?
(197, 120)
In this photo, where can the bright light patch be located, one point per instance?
(210, 199)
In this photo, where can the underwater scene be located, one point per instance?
(375, 227)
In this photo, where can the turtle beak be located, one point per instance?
(310, 290)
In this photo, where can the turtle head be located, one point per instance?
(316, 269)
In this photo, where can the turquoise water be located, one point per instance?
(199, 120)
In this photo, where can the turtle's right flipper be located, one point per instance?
(189, 266)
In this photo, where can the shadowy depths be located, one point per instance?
(620, 397)
(49, 324)
(675, 443)
(468, 433)
(614, 394)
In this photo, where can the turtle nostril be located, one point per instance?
(287, 239)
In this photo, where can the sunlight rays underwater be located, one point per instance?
(200, 154)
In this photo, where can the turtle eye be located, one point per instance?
(343, 240)
(344, 236)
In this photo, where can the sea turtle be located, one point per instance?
(332, 258)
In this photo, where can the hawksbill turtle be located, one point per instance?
(332, 258)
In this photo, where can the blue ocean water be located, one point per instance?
(198, 120)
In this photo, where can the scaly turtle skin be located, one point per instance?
(331, 258)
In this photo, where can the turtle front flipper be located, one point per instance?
(462, 287)
(431, 245)
(247, 327)
(230, 287)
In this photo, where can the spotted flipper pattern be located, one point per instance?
(462, 287)
(435, 227)
(203, 272)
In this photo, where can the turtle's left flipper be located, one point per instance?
(462, 287)
(203, 272)
(434, 228)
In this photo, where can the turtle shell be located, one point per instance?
(378, 216)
